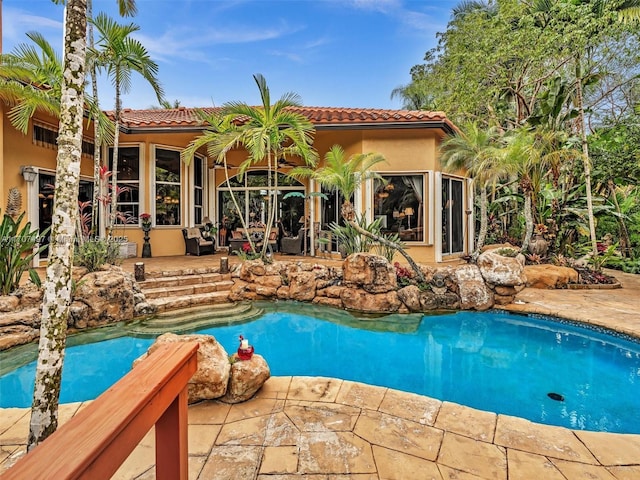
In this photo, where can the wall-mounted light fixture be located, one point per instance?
(29, 173)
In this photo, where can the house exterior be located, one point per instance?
(430, 210)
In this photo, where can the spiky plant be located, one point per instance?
(14, 203)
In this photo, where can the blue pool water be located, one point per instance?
(491, 361)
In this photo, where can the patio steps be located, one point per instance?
(184, 321)
(186, 289)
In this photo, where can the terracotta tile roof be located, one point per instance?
(320, 116)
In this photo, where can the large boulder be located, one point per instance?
(103, 297)
(246, 378)
(474, 293)
(212, 377)
(302, 286)
(498, 269)
(550, 276)
(363, 301)
(371, 273)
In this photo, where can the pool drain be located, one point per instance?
(555, 396)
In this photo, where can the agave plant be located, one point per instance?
(19, 246)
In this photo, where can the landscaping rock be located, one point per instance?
(410, 297)
(371, 273)
(9, 303)
(212, 377)
(474, 293)
(363, 301)
(497, 269)
(549, 276)
(246, 378)
(302, 286)
(109, 294)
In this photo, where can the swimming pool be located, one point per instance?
(493, 361)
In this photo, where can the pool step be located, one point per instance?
(181, 321)
(181, 280)
(173, 290)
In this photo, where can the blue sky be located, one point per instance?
(333, 53)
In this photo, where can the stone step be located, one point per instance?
(181, 272)
(191, 319)
(182, 290)
(192, 279)
(185, 301)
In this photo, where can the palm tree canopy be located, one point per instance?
(120, 55)
(31, 80)
(267, 131)
(473, 150)
(342, 175)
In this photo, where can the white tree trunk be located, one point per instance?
(482, 235)
(58, 286)
(586, 160)
(97, 143)
(528, 220)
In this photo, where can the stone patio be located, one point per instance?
(329, 429)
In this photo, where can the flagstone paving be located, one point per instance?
(330, 429)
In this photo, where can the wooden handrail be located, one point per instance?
(96, 441)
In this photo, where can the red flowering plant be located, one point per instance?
(404, 275)
(145, 218)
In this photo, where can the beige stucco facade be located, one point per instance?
(410, 149)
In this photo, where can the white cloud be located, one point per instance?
(16, 21)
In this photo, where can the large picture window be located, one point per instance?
(399, 205)
(128, 180)
(168, 198)
(252, 194)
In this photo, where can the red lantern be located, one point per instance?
(245, 351)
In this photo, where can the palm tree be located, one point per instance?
(346, 176)
(475, 151)
(268, 133)
(120, 55)
(211, 138)
(31, 80)
(58, 283)
(535, 155)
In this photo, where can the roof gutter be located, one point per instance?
(443, 125)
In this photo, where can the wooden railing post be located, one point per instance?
(172, 449)
(96, 441)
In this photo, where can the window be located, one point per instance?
(199, 169)
(46, 136)
(252, 194)
(168, 196)
(399, 206)
(128, 183)
(452, 219)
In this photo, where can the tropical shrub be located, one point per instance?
(18, 247)
(96, 252)
(350, 240)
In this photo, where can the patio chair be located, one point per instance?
(292, 245)
(195, 243)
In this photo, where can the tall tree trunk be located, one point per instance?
(97, 143)
(482, 234)
(528, 219)
(585, 158)
(114, 168)
(349, 216)
(58, 284)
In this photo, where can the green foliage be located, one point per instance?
(95, 253)
(598, 262)
(352, 241)
(18, 246)
(507, 252)
(387, 251)
(628, 265)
